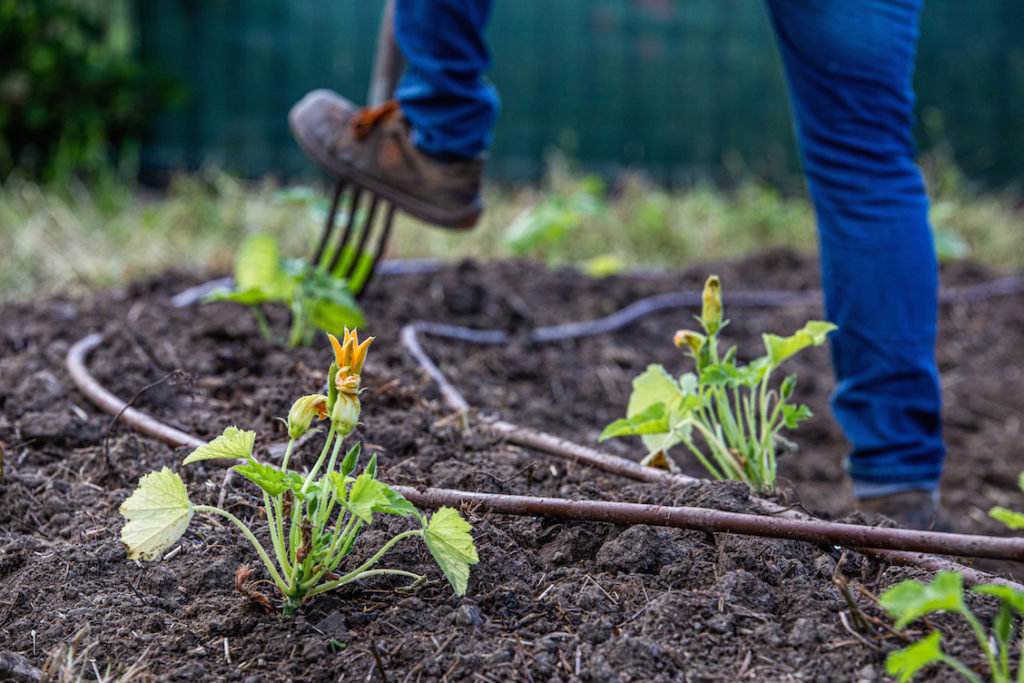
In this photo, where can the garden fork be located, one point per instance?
(349, 259)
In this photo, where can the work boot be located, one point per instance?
(372, 147)
(909, 509)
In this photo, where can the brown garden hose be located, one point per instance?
(888, 544)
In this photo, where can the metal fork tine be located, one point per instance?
(363, 237)
(389, 217)
(329, 224)
(353, 209)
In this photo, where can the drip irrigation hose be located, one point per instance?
(859, 537)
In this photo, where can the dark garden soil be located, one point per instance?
(549, 600)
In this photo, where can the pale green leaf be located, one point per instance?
(653, 385)
(158, 512)
(908, 600)
(781, 348)
(257, 266)
(233, 443)
(448, 539)
(249, 296)
(654, 420)
(269, 478)
(397, 504)
(1014, 520)
(1011, 596)
(366, 495)
(906, 662)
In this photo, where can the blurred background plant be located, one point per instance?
(73, 97)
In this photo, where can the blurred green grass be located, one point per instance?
(75, 238)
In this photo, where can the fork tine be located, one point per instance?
(367, 228)
(353, 209)
(389, 217)
(329, 224)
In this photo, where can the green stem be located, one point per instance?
(354, 574)
(959, 668)
(703, 459)
(722, 454)
(287, 455)
(252, 539)
(261, 322)
(320, 460)
(979, 633)
(276, 537)
(298, 322)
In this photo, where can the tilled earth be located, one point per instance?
(549, 600)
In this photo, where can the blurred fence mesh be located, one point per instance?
(680, 88)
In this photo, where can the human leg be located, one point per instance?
(425, 153)
(443, 93)
(849, 65)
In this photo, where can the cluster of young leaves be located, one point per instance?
(726, 413)
(314, 519)
(910, 600)
(317, 299)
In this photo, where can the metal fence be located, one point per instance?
(680, 88)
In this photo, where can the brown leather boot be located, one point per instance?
(910, 509)
(371, 147)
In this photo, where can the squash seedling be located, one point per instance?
(909, 600)
(314, 520)
(727, 414)
(317, 299)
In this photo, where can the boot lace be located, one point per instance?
(367, 118)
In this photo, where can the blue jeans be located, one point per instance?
(849, 65)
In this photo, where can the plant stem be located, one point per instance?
(287, 455)
(252, 539)
(320, 460)
(960, 668)
(276, 536)
(261, 322)
(354, 574)
(980, 634)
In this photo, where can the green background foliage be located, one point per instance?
(71, 93)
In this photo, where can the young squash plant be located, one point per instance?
(315, 519)
(317, 299)
(910, 600)
(728, 415)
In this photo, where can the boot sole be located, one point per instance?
(463, 219)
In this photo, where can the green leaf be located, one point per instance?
(719, 374)
(366, 495)
(1014, 520)
(781, 348)
(654, 420)
(257, 266)
(448, 539)
(908, 600)
(1010, 596)
(907, 661)
(653, 385)
(793, 415)
(334, 308)
(788, 385)
(232, 443)
(270, 479)
(249, 296)
(396, 505)
(158, 512)
(348, 464)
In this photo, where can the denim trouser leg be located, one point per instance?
(849, 65)
(443, 94)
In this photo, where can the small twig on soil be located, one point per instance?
(376, 659)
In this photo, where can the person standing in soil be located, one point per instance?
(848, 66)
